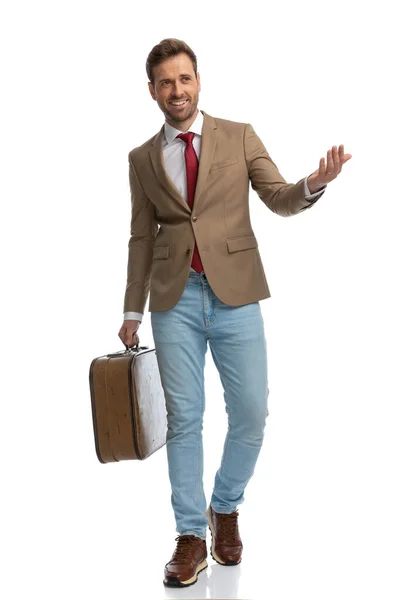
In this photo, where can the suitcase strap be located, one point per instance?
(129, 350)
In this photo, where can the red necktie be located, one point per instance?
(192, 166)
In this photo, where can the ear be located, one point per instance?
(151, 90)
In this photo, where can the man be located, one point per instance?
(204, 273)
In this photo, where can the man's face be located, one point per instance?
(174, 79)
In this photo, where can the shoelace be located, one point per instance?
(183, 546)
(227, 525)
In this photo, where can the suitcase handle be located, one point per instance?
(134, 348)
(129, 350)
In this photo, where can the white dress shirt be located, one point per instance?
(175, 165)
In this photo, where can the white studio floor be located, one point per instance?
(319, 518)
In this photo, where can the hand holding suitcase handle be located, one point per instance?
(127, 334)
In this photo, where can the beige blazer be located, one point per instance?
(164, 228)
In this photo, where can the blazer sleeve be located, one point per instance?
(143, 231)
(284, 199)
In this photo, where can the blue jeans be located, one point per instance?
(238, 347)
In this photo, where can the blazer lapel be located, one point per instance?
(208, 142)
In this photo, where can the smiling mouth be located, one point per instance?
(179, 105)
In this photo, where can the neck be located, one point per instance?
(183, 125)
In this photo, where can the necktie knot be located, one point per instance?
(187, 137)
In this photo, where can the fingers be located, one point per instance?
(128, 336)
(329, 162)
(335, 159)
(337, 167)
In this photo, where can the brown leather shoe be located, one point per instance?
(188, 559)
(226, 547)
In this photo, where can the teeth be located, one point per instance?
(178, 103)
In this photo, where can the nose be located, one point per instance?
(178, 91)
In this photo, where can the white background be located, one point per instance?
(320, 517)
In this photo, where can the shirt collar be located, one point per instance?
(170, 132)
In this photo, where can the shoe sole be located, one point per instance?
(228, 563)
(176, 582)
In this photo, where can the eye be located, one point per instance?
(166, 81)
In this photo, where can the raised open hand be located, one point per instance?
(326, 173)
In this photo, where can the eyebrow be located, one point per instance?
(169, 78)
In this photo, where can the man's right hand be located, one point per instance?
(127, 334)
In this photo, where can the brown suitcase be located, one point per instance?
(128, 404)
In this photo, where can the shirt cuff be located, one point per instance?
(307, 194)
(133, 315)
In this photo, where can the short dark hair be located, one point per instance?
(165, 49)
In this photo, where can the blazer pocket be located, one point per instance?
(224, 163)
(160, 252)
(244, 242)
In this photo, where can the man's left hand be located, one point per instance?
(334, 162)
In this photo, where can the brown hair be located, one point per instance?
(165, 49)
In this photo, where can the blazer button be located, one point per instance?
(188, 251)
(194, 218)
